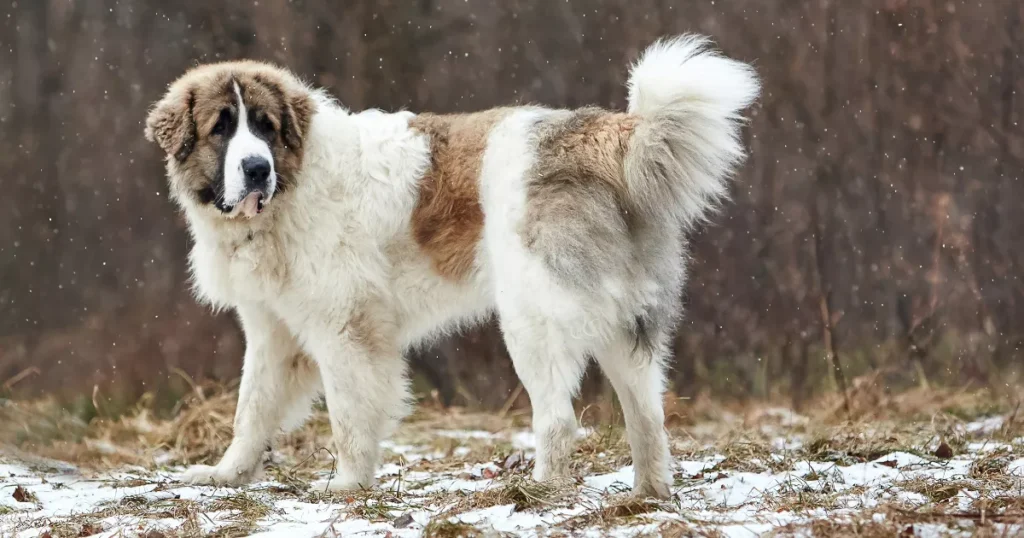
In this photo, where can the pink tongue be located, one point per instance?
(250, 205)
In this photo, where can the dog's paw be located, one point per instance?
(337, 484)
(657, 489)
(216, 476)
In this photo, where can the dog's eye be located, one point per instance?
(264, 124)
(223, 121)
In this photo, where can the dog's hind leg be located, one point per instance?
(275, 384)
(637, 373)
(550, 370)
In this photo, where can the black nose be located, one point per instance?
(256, 170)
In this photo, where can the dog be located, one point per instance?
(342, 239)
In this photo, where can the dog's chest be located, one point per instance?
(250, 269)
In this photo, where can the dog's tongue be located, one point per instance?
(250, 206)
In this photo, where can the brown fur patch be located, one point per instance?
(580, 153)
(578, 217)
(181, 123)
(302, 365)
(448, 220)
(170, 124)
(589, 145)
(364, 330)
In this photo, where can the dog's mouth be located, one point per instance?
(250, 206)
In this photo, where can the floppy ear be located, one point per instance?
(298, 110)
(170, 124)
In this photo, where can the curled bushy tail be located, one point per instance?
(686, 146)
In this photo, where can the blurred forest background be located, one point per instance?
(879, 220)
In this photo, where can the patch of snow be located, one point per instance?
(621, 479)
(465, 434)
(985, 426)
(526, 440)
(988, 446)
(902, 459)
(693, 468)
(731, 502)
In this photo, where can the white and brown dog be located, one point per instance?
(342, 239)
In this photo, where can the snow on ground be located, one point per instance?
(788, 490)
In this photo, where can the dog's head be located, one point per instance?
(233, 134)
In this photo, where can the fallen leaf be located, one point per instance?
(402, 521)
(944, 451)
(22, 495)
(513, 461)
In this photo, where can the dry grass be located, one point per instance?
(603, 451)
(936, 491)
(200, 430)
(244, 507)
(858, 443)
(376, 504)
(746, 454)
(524, 493)
(198, 433)
(683, 529)
(742, 438)
(242, 512)
(90, 522)
(868, 528)
(517, 490)
(618, 511)
(992, 464)
(797, 495)
(449, 529)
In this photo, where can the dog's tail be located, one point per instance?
(686, 145)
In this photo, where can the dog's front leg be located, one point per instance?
(275, 380)
(366, 390)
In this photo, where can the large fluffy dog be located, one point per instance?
(341, 239)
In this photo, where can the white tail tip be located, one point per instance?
(688, 69)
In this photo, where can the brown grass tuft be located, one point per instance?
(993, 464)
(449, 529)
(936, 491)
(617, 512)
(523, 492)
(201, 431)
(746, 454)
(603, 451)
(246, 507)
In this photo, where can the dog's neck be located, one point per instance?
(214, 230)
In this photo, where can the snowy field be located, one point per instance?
(773, 472)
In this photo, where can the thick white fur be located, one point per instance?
(340, 244)
(693, 96)
(686, 68)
